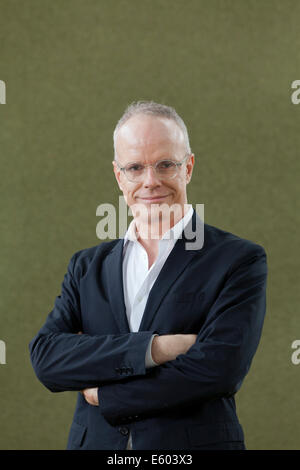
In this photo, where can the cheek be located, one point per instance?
(178, 189)
(130, 193)
(175, 186)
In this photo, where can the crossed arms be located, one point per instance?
(163, 349)
(210, 364)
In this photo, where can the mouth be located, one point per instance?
(152, 199)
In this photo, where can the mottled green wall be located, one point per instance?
(70, 68)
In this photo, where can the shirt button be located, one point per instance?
(124, 431)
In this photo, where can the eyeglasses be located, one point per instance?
(164, 169)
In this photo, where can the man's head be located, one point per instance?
(149, 133)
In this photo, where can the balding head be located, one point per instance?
(162, 112)
(148, 134)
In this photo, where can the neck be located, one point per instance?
(150, 230)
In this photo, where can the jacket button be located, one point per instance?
(124, 431)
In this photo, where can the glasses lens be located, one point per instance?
(166, 168)
(134, 171)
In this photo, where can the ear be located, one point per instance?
(117, 173)
(189, 167)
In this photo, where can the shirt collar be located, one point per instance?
(174, 232)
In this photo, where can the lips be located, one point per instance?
(152, 198)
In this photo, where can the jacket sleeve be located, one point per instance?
(215, 365)
(65, 360)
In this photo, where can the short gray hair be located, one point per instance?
(153, 109)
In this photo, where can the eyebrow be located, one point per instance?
(158, 160)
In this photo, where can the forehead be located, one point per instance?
(143, 133)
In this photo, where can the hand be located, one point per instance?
(91, 396)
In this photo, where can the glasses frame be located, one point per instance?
(154, 165)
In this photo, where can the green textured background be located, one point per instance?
(71, 67)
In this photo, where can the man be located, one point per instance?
(157, 338)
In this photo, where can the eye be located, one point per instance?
(134, 167)
(165, 164)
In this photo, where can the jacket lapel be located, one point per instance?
(175, 264)
(114, 276)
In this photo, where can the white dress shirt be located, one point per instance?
(138, 279)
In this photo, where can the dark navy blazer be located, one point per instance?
(217, 292)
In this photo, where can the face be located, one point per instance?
(148, 139)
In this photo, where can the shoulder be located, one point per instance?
(236, 253)
(82, 259)
(233, 245)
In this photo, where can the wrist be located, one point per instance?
(165, 348)
(156, 352)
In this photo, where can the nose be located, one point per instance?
(150, 178)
